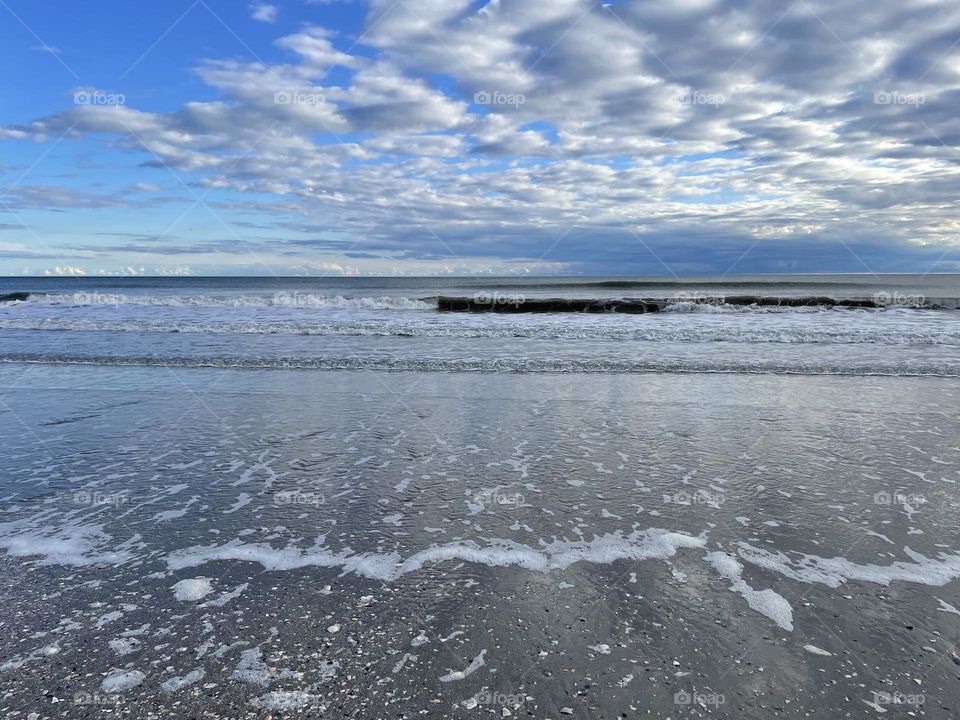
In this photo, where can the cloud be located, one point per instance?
(70, 271)
(65, 271)
(54, 197)
(264, 12)
(664, 136)
(141, 187)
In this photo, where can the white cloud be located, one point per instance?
(644, 129)
(264, 12)
(65, 270)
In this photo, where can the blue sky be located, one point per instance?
(461, 136)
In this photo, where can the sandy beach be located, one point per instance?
(349, 544)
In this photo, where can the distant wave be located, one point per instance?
(306, 301)
(687, 283)
(516, 303)
(500, 364)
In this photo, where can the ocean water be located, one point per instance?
(325, 498)
(393, 324)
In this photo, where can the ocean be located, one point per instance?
(394, 324)
(327, 497)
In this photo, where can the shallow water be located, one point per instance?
(373, 544)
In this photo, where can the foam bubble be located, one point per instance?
(475, 664)
(766, 602)
(121, 680)
(192, 589)
(833, 572)
(284, 700)
(179, 682)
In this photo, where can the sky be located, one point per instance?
(461, 137)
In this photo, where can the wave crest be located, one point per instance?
(280, 300)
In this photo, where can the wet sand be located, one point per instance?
(199, 543)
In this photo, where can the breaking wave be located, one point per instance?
(646, 328)
(502, 364)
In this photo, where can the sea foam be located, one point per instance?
(556, 555)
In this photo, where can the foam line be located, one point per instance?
(638, 545)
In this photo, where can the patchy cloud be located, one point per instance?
(264, 12)
(663, 136)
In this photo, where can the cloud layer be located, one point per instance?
(668, 136)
